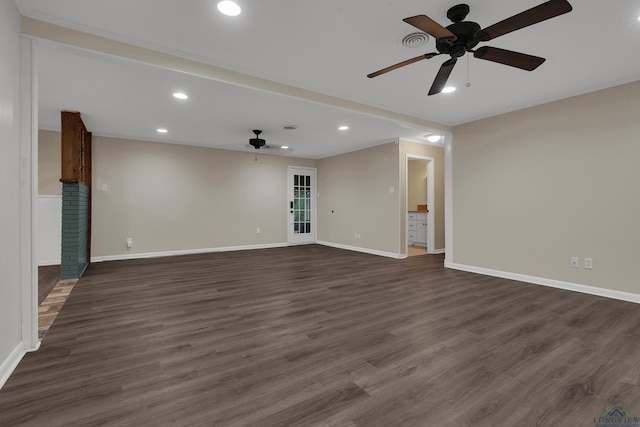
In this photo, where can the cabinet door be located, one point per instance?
(421, 228)
(421, 232)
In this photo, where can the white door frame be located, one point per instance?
(431, 240)
(28, 192)
(314, 205)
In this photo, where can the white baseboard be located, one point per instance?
(11, 362)
(126, 256)
(437, 251)
(364, 250)
(48, 263)
(585, 289)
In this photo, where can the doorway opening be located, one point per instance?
(419, 201)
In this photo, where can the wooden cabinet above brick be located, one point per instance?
(76, 149)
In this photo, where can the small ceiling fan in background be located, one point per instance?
(261, 144)
(463, 36)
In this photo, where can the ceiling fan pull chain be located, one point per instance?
(468, 82)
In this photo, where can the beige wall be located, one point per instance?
(49, 161)
(171, 197)
(437, 210)
(355, 198)
(417, 184)
(534, 187)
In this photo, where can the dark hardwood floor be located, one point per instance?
(48, 277)
(316, 336)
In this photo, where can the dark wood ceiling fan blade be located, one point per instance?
(431, 27)
(402, 64)
(443, 75)
(509, 57)
(542, 12)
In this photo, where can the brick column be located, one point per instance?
(75, 230)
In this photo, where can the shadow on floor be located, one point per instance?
(48, 277)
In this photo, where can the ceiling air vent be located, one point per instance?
(414, 40)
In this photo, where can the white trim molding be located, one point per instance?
(575, 287)
(448, 197)
(28, 192)
(126, 256)
(11, 363)
(363, 250)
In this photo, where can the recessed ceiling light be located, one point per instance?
(229, 8)
(180, 95)
(434, 138)
(448, 89)
(284, 147)
(343, 128)
(162, 130)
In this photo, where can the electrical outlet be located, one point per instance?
(575, 262)
(258, 230)
(588, 263)
(129, 242)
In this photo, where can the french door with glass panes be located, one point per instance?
(302, 205)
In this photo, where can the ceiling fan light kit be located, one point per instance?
(461, 37)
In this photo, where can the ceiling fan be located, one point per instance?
(463, 36)
(261, 144)
(258, 142)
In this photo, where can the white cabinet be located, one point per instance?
(417, 228)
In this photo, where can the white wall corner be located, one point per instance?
(448, 197)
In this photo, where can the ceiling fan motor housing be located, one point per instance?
(257, 142)
(465, 32)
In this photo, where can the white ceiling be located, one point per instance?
(327, 47)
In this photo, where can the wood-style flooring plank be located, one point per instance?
(317, 336)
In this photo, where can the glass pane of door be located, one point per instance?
(302, 204)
